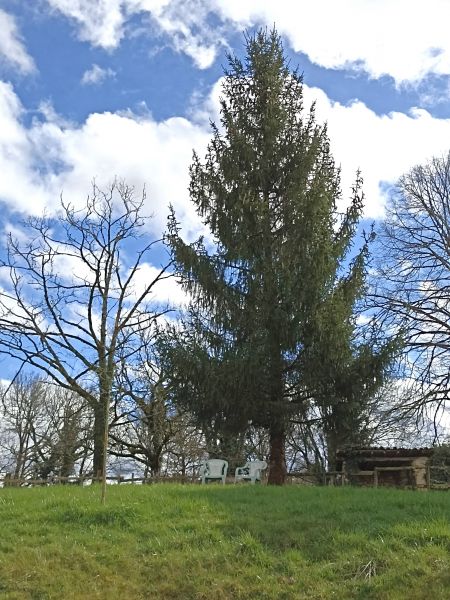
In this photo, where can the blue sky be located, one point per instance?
(126, 88)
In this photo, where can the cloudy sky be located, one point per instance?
(126, 88)
(104, 88)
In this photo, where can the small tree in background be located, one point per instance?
(44, 430)
(22, 414)
(259, 336)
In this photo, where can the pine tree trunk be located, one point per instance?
(277, 462)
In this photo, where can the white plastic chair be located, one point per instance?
(214, 468)
(251, 471)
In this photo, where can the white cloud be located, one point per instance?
(20, 183)
(400, 38)
(139, 150)
(186, 24)
(99, 22)
(166, 291)
(382, 146)
(96, 75)
(104, 23)
(12, 309)
(17, 232)
(50, 156)
(406, 40)
(12, 50)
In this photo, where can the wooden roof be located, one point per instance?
(379, 452)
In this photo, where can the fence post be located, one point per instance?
(375, 477)
(428, 475)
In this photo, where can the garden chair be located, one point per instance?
(251, 471)
(214, 468)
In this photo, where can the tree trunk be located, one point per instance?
(332, 441)
(22, 456)
(105, 399)
(155, 464)
(67, 462)
(99, 433)
(277, 462)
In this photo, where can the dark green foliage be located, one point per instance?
(271, 324)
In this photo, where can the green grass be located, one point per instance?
(192, 542)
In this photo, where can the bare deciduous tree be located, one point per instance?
(144, 414)
(412, 291)
(64, 441)
(21, 415)
(186, 447)
(44, 430)
(76, 301)
(143, 427)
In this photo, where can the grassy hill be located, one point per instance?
(192, 542)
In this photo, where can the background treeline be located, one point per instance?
(46, 433)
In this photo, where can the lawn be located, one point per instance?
(195, 542)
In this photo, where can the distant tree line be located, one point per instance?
(46, 434)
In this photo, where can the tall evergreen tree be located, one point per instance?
(275, 264)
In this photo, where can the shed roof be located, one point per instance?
(379, 451)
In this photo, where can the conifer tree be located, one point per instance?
(276, 261)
